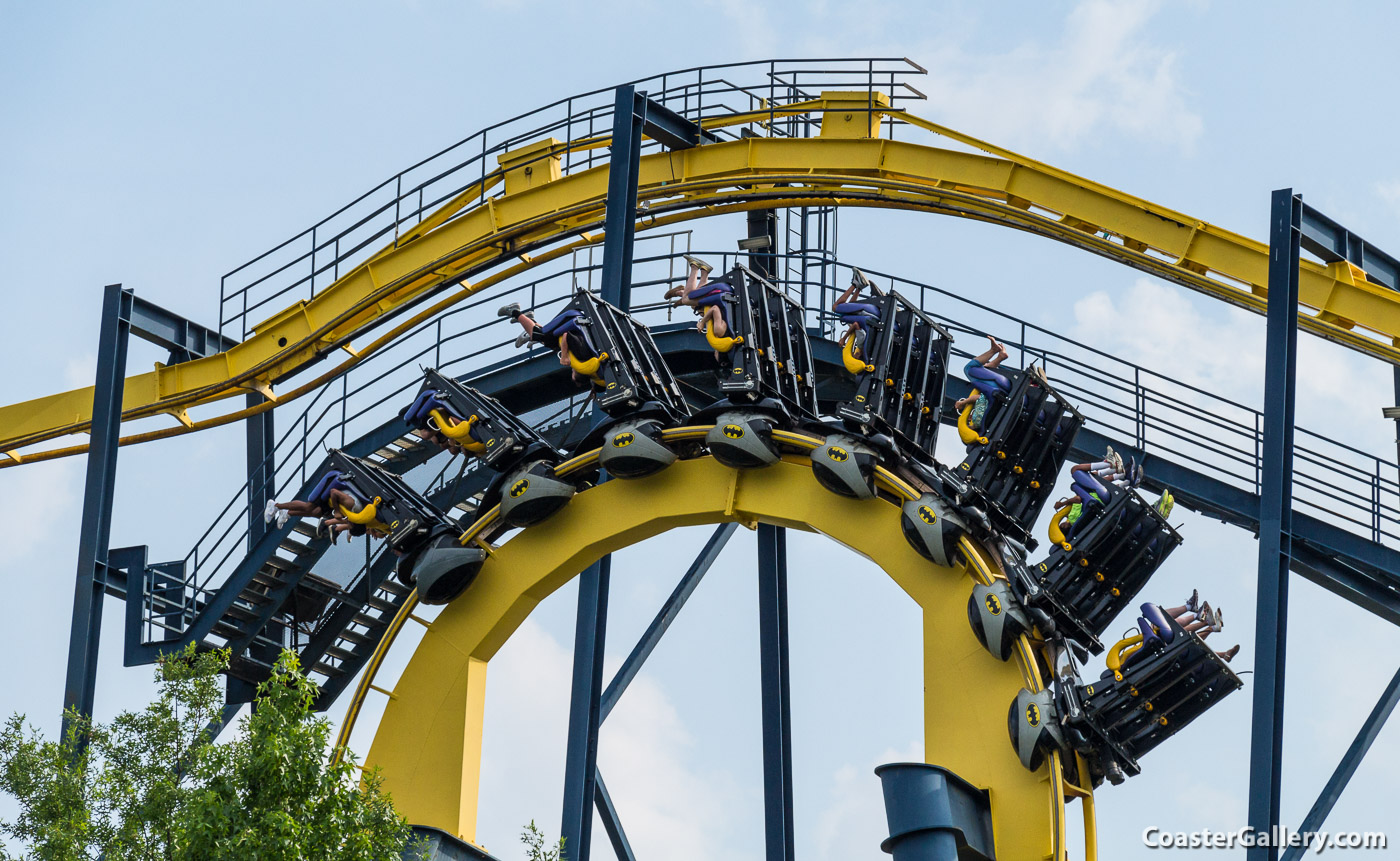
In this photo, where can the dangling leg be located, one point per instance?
(1000, 356)
(526, 319)
(696, 278)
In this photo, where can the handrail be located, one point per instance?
(1160, 414)
(762, 85)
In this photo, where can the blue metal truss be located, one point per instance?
(1351, 565)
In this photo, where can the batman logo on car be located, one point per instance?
(993, 604)
(837, 454)
(927, 515)
(622, 440)
(733, 431)
(1033, 714)
(519, 487)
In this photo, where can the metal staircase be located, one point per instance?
(257, 591)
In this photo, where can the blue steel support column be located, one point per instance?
(620, 218)
(1275, 519)
(585, 706)
(581, 760)
(93, 542)
(777, 711)
(591, 626)
(260, 468)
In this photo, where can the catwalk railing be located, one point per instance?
(1148, 410)
(317, 256)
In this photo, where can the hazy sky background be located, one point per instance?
(160, 145)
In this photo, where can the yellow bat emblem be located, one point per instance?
(622, 439)
(1033, 714)
(519, 487)
(927, 515)
(733, 431)
(993, 604)
(837, 454)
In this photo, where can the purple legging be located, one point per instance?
(1086, 486)
(1152, 616)
(986, 380)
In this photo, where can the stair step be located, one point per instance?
(370, 622)
(296, 547)
(327, 670)
(393, 586)
(259, 598)
(281, 564)
(355, 637)
(341, 655)
(382, 603)
(269, 576)
(244, 613)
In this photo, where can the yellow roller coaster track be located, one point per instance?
(428, 742)
(848, 165)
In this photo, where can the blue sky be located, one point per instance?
(160, 145)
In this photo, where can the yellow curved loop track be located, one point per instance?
(428, 742)
(517, 228)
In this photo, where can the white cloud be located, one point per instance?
(1221, 349)
(80, 370)
(44, 498)
(668, 802)
(1389, 192)
(1104, 75)
(748, 26)
(853, 820)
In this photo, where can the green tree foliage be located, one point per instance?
(535, 848)
(151, 786)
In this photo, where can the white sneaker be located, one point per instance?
(283, 516)
(522, 339)
(270, 510)
(698, 263)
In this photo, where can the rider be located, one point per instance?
(561, 334)
(982, 373)
(326, 500)
(708, 299)
(858, 316)
(428, 415)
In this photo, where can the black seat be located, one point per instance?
(634, 377)
(1160, 693)
(1113, 549)
(523, 460)
(1029, 433)
(387, 503)
(773, 358)
(498, 436)
(899, 392)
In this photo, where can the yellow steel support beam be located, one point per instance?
(428, 743)
(466, 237)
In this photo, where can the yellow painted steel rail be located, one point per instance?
(428, 742)
(519, 225)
